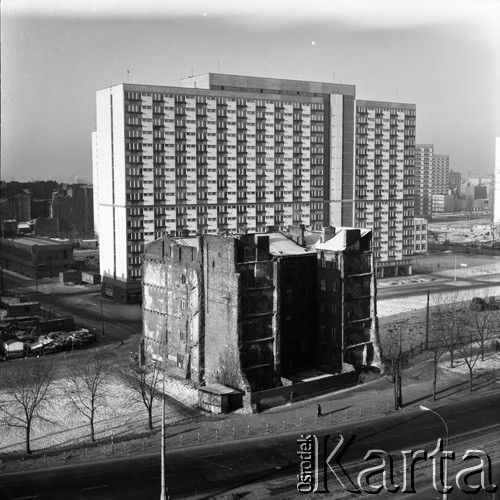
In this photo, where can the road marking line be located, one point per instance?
(214, 455)
(96, 487)
(25, 498)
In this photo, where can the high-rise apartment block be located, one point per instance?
(384, 173)
(496, 190)
(455, 181)
(440, 174)
(432, 177)
(423, 179)
(235, 153)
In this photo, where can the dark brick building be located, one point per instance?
(346, 299)
(248, 310)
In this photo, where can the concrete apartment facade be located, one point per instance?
(385, 177)
(240, 153)
(223, 152)
(249, 310)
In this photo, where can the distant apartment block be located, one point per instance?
(17, 207)
(423, 179)
(455, 181)
(443, 203)
(249, 310)
(496, 190)
(72, 207)
(432, 177)
(385, 177)
(440, 174)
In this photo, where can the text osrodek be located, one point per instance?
(378, 475)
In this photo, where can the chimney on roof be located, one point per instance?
(297, 233)
(262, 244)
(327, 233)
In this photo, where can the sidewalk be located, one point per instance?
(366, 401)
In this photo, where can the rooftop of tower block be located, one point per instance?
(241, 83)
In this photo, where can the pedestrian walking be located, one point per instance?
(319, 410)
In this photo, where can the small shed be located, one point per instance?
(11, 347)
(70, 275)
(218, 398)
(17, 309)
(91, 277)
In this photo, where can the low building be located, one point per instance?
(241, 310)
(11, 347)
(15, 308)
(35, 257)
(421, 233)
(218, 398)
(443, 203)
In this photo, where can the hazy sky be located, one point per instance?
(442, 55)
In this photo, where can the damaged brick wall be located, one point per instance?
(154, 303)
(221, 303)
(172, 307)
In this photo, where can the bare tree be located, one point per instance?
(470, 352)
(438, 349)
(393, 359)
(144, 383)
(484, 323)
(449, 319)
(26, 393)
(87, 389)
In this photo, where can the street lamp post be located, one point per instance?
(102, 314)
(445, 479)
(164, 490)
(455, 279)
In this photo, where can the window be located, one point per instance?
(183, 279)
(180, 361)
(183, 304)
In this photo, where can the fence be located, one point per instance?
(302, 390)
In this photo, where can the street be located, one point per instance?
(83, 302)
(207, 471)
(393, 293)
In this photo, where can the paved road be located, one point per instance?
(204, 472)
(418, 285)
(83, 302)
(393, 293)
